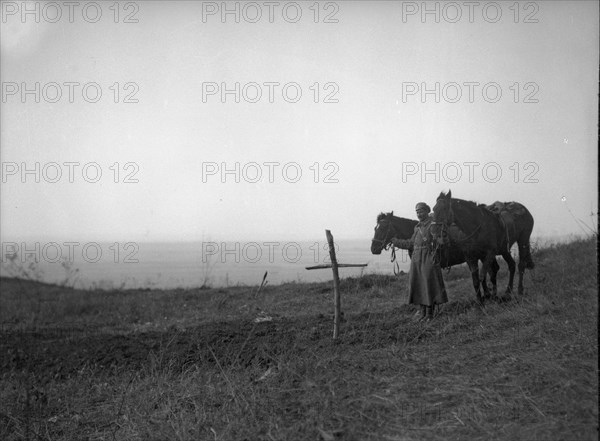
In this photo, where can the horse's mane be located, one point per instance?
(382, 216)
(471, 204)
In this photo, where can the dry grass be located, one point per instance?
(194, 364)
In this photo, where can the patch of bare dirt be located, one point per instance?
(223, 342)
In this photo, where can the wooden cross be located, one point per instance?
(336, 280)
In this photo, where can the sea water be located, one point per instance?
(213, 264)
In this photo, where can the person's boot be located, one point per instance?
(421, 314)
(429, 313)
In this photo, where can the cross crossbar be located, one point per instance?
(340, 265)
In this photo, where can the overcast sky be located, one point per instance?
(516, 94)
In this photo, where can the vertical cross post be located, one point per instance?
(336, 281)
(336, 285)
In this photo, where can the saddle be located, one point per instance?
(513, 208)
(507, 212)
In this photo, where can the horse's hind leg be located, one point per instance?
(493, 277)
(511, 270)
(525, 261)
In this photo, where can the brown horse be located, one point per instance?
(518, 225)
(485, 236)
(390, 226)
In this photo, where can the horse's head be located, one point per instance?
(443, 216)
(384, 231)
(442, 210)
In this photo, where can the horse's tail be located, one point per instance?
(530, 264)
(522, 226)
(525, 256)
(525, 251)
(528, 259)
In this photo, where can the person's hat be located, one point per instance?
(423, 206)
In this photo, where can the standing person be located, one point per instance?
(425, 283)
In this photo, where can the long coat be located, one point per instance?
(425, 282)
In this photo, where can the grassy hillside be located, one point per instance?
(198, 365)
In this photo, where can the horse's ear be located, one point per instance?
(392, 213)
(449, 194)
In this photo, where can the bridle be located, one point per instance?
(386, 244)
(444, 224)
(386, 241)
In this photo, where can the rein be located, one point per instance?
(470, 235)
(437, 249)
(386, 245)
(395, 262)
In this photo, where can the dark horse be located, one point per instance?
(390, 226)
(485, 234)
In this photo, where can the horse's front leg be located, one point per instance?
(474, 268)
(485, 268)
